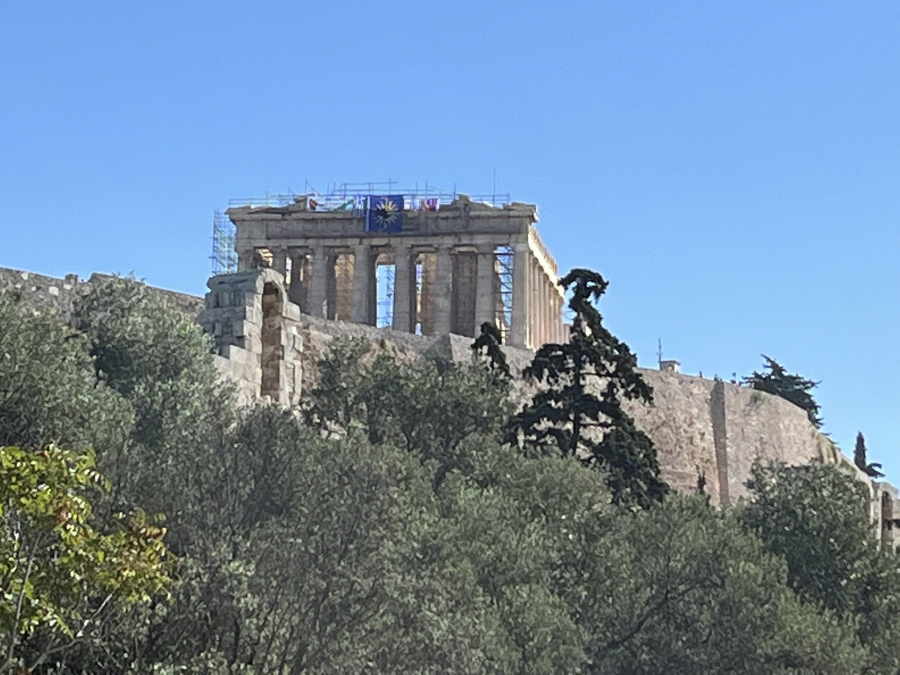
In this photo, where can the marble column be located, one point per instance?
(541, 308)
(535, 305)
(403, 285)
(443, 291)
(279, 261)
(318, 288)
(485, 292)
(559, 333)
(548, 311)
(518, 334)
(362, 284)
(297, 284)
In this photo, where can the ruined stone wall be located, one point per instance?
(680, 423)
(45, 292)
(41, 291)
(257, 334)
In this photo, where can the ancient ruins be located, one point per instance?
(449, 266)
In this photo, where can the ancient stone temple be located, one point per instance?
(414, 264)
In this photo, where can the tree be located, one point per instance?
(680, 588)
(58, 574)
(788, 386)
(335, 399)
(815, 517)
(861, 461)
(584, 381)
(487, 346)
(158, 359)
(429, 407)
(48, 385)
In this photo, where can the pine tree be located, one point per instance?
(568, 417)
(788, 386)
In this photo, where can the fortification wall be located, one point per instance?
(41, 291)
(680, 424)
(717, 430)
(44, 292)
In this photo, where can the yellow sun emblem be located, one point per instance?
(386, 212)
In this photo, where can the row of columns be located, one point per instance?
(536, 301)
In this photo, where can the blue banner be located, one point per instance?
(385, 214)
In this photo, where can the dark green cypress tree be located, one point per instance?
(861, 460)
(578, 410)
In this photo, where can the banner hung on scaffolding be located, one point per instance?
(384, 213)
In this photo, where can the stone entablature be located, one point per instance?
(463, 216)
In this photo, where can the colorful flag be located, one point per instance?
(385, 214)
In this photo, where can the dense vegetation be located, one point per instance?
(792, 387)
(388, 527)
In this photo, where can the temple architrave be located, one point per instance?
(441, 268)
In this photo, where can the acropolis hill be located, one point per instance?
(307, 272)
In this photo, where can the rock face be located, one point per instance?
(716, 430)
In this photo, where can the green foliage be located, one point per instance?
(579, 411)
(335, 399)
(487, 346)
(427, 407)
(788, 386)
(680, 588)
(149, 351)
(815, 518)
(48, 386)
(387, 527)
(57, 572)
(861, 461)
(155, 356)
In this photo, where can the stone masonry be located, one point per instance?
(257, 334)
(445, 266)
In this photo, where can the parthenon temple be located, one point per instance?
(413, 264)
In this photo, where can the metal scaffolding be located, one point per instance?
(504, 271)
(224, 254)
(384, 284)
(352, 197)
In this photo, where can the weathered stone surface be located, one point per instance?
(439, 286)
(42, 292)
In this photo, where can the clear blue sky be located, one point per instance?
(731, 167)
